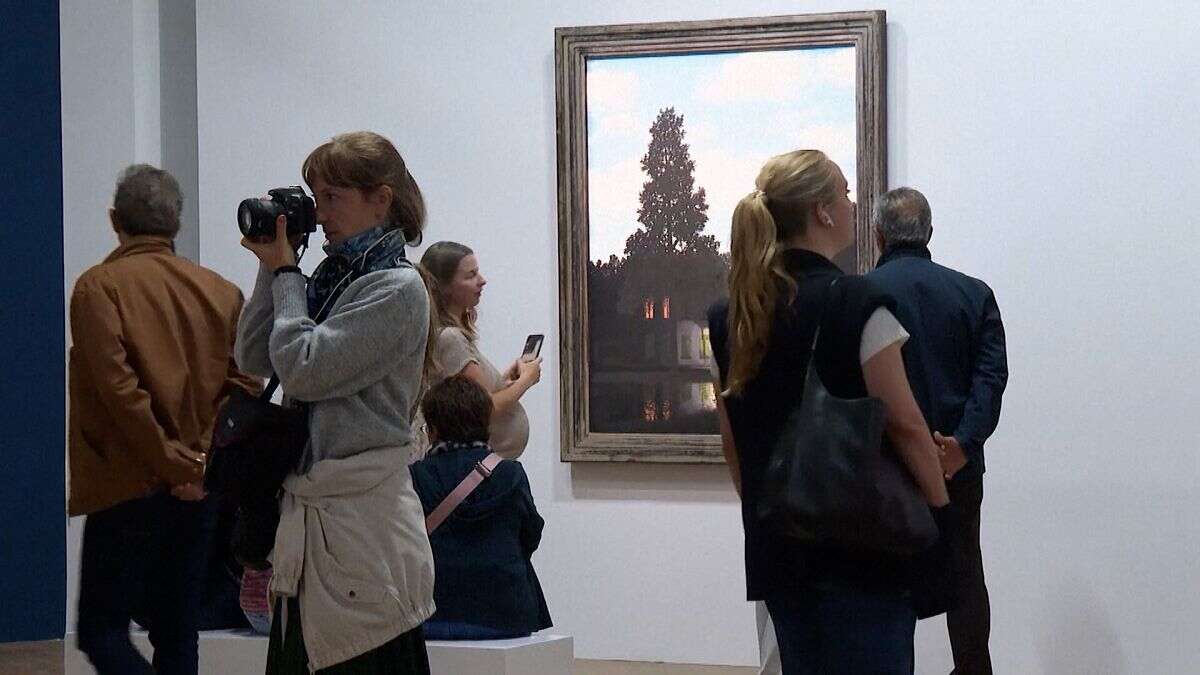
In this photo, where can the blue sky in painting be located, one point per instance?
(738, 109)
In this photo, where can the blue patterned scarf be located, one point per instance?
(450, 446)
(358, 254)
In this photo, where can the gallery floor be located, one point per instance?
(46, 658)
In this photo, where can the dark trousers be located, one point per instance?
(287, 655)
(831, 629)
(144, 557)
(971, 622)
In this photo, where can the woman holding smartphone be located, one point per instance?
(457, 286)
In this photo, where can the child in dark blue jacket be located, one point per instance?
(484, 584)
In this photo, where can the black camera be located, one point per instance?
(256, 216)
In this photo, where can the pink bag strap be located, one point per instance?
(482, 470)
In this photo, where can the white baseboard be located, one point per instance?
(227, 652)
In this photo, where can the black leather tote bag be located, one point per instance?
(256, 444)
(831, 481)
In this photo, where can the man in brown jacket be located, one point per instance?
(151, 362)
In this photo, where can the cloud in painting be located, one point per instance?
(699, 133)
(621, 124)
(778, 76)
(726, 178)
(610, 90)
(838, 141)
(612, 206)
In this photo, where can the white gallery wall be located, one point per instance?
(1056, 144)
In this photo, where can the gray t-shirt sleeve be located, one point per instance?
(454, 352)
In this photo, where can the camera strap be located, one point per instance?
(302, 248)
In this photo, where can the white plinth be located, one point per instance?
(538, 654)
(222, 652)
(226, 652)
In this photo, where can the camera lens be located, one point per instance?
(245, 218)
(256, 217)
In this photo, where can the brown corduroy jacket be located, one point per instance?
(151, 361)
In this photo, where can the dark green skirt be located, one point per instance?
(405, 655)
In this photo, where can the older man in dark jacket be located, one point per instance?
(958, 369)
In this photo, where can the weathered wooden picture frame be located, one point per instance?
(635, 362)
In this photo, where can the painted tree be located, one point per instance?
(672, 211)
(669, 255)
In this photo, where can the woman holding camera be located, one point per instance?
(834, 609)
(457, 286)
(353, 570)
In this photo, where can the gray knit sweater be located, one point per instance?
(360, 369)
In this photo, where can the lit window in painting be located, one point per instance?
(708, 396)
(649, 411)
(667, 307)
(705, 345)
(648, 308)
(649, 402)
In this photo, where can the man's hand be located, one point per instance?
(274, 253)
(186, 457)
(189, 492)
(952, 455)
(184, 464)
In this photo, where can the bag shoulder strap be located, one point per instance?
(272, 385)
(482, 470)
(812, 353)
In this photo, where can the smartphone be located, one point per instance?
(533, 347)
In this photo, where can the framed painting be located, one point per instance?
(662, 128)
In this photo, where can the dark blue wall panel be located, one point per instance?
(33, 577)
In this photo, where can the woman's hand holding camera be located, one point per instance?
(276, 252)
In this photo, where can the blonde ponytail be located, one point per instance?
(763, 222)
(755, 278)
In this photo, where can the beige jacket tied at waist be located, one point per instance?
(351, 544)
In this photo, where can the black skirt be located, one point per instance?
(404, 655)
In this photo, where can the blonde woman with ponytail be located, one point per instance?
(834, 610)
